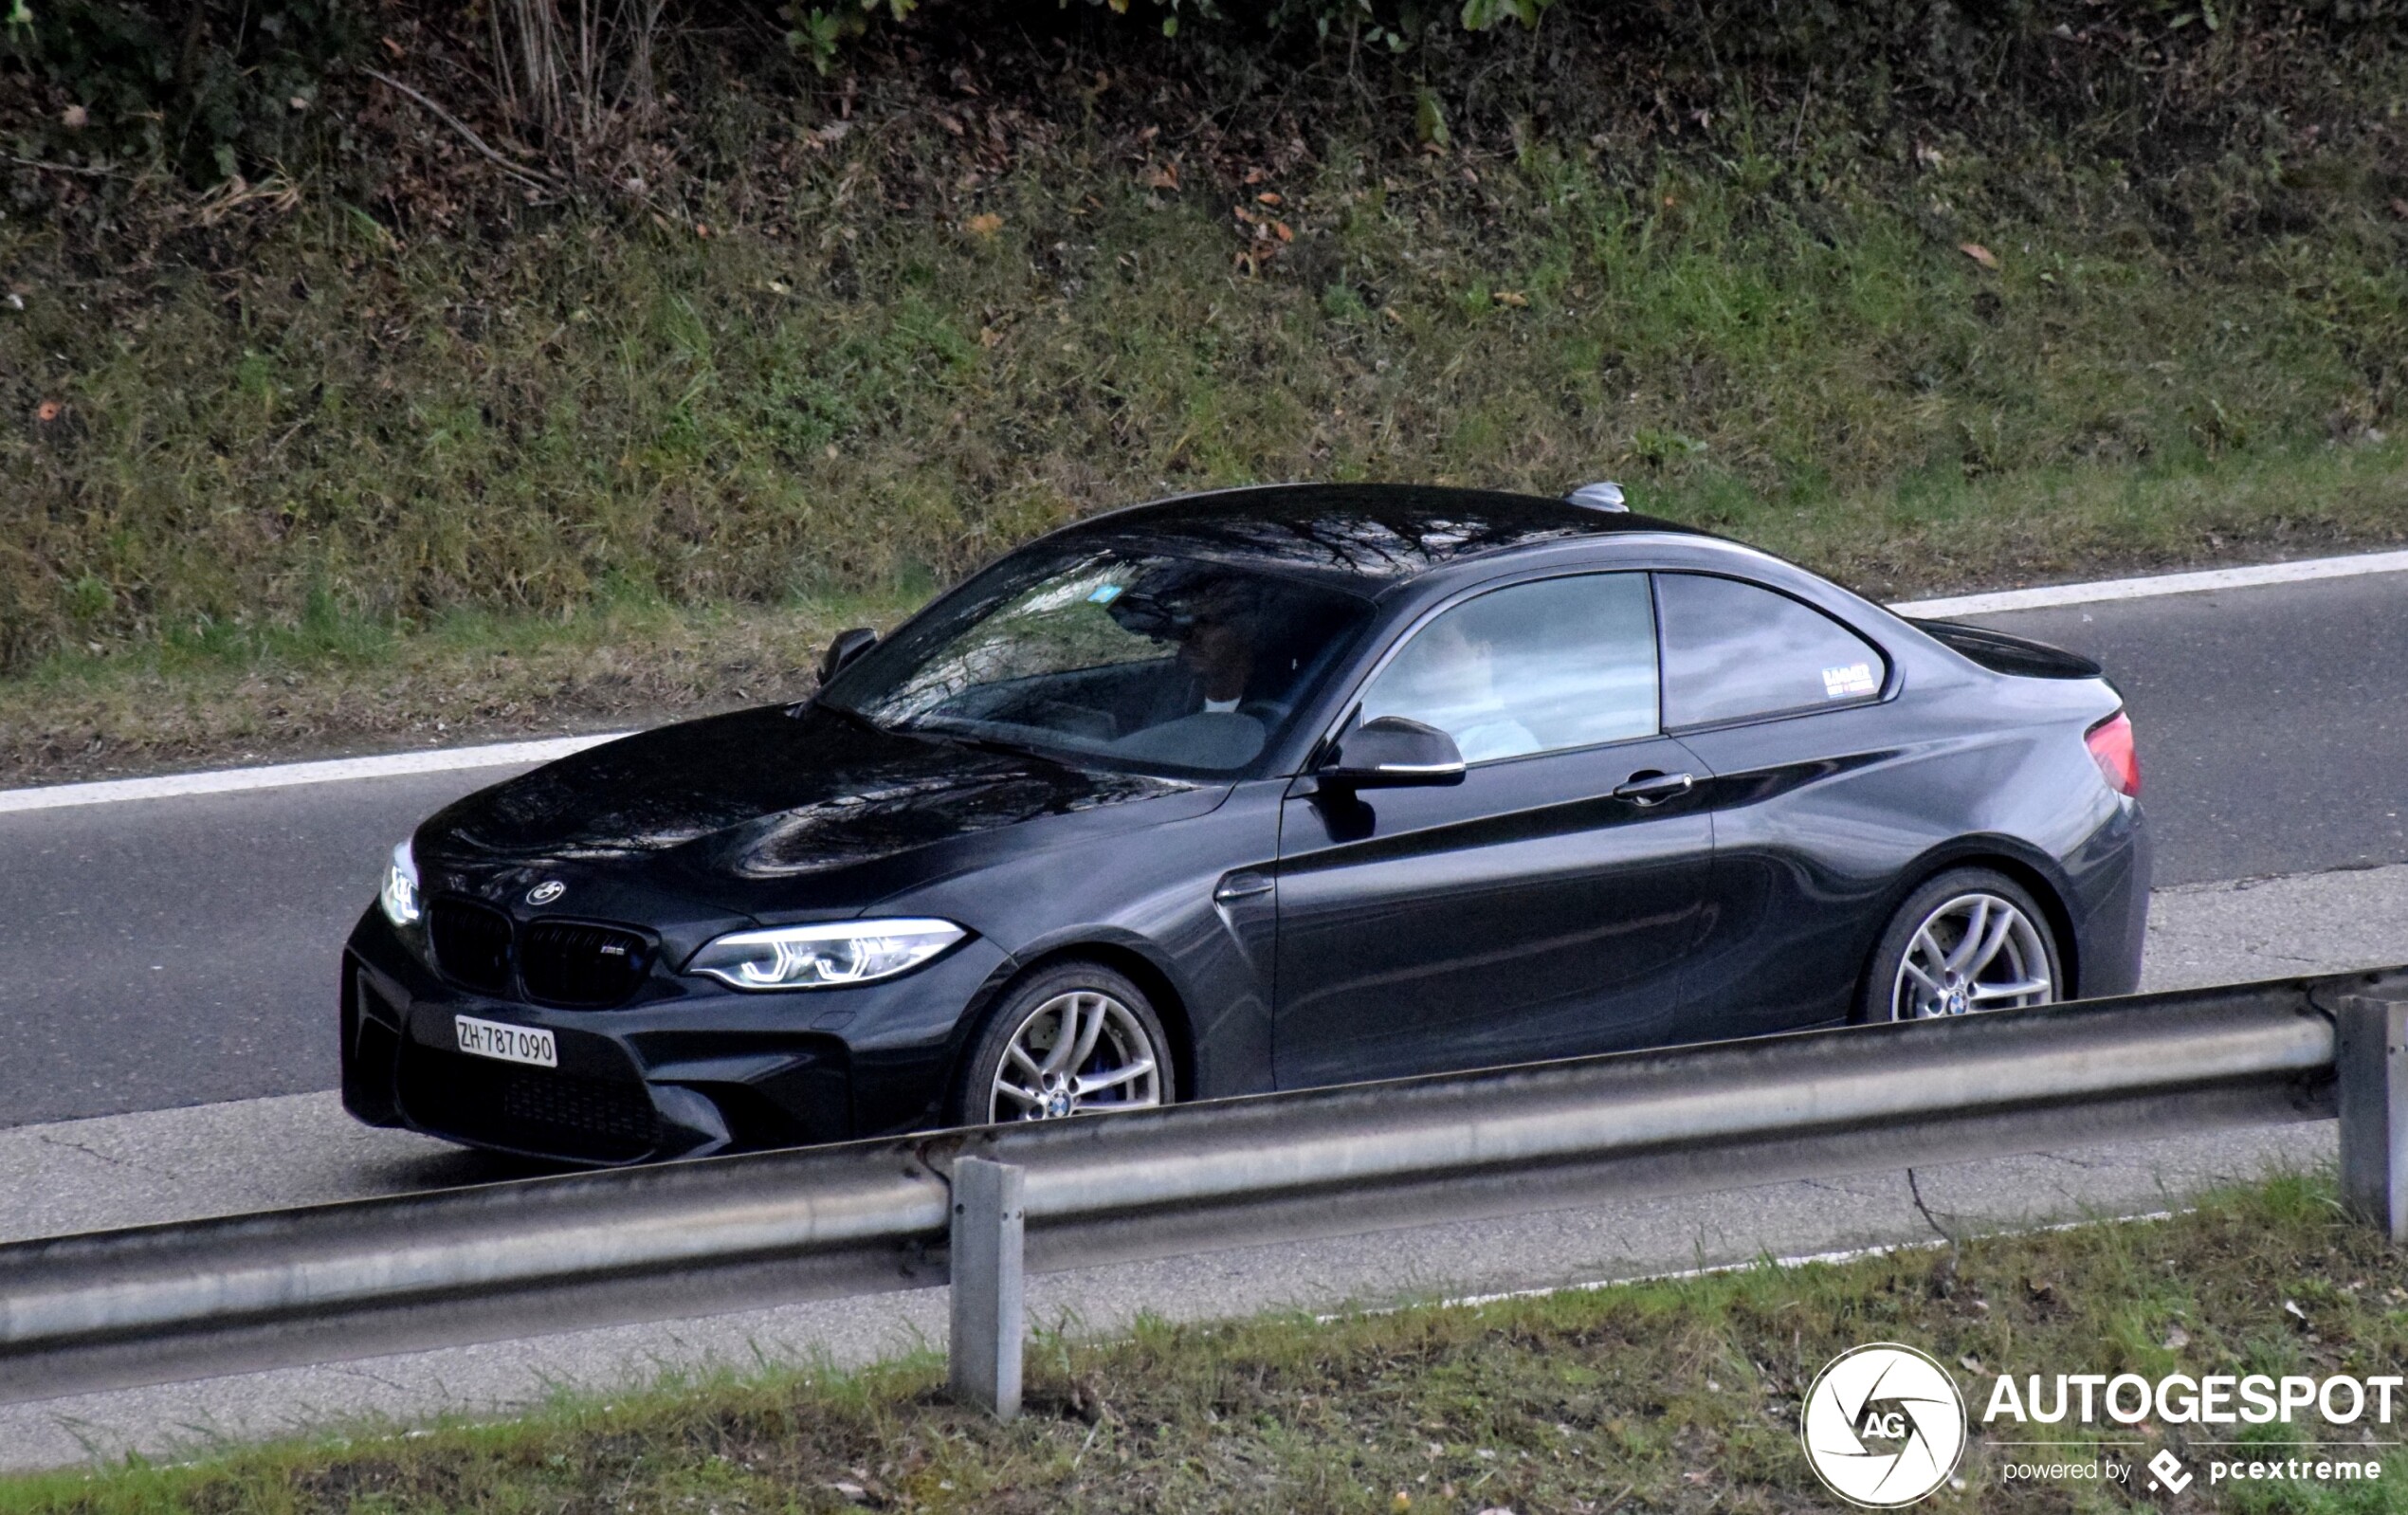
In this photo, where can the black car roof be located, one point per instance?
(1378, 533)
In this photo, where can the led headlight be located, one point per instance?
(822, 954)
(399, 895)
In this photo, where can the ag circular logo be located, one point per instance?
(1883, 1426)
(544, 893)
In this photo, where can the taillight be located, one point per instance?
(2110, 744)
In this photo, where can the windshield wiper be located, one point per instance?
(1002, 745)
(846, 711)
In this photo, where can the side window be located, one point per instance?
(1733, 651)
(1535, 667)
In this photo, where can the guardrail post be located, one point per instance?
(2373, 1067)
(990, 1309)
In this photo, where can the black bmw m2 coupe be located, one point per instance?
(1252, 790)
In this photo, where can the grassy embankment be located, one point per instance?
(1673, 1396)
(311, 483)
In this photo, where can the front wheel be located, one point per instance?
(1969, 939)
(1075, 1039)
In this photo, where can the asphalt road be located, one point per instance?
(2273, 721)
(173, 951)
(167, 951)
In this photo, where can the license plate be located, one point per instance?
(508, 1044)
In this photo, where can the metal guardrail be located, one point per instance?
(329, 1282)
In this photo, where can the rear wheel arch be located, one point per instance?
(1999, 857)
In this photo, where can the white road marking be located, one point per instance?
(1844, 1254)
(448, 759)
(285, 775)
(2142, 589)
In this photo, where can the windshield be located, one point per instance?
(1137, 659)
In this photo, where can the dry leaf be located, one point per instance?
(1979, 254)
(985, 224)
(1165, 177)
(2399, 209)
(1511, 296)
(1282, 231)
(1267, 197)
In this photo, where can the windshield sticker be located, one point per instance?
(1105, 594)
(1857, 678)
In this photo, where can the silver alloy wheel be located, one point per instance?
(1080, 1051)
(1976, 952)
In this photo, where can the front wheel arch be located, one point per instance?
(1169, 1008)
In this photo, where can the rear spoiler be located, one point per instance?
(2002, 653)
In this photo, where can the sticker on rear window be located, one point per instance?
(1857, 678)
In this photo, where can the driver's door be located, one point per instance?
(1530, 911)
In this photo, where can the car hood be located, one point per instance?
(777, 794)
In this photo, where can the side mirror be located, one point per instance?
(843, 650)
(1393, 751)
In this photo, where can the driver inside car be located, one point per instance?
(1211, 703)
(1216, 628)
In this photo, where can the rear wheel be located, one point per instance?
(1969, 939)
(1075, 1039)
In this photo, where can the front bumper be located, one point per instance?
(707, 1070)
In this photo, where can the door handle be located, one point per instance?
(1243, 885)
(1651, 787)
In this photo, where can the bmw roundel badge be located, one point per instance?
(544, 893)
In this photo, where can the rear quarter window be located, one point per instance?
(1740, 651)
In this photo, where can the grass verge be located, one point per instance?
(337, 685)
(1926, 297)
(1679, 1394)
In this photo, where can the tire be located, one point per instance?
(1122, 1031)
(1917, 970)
